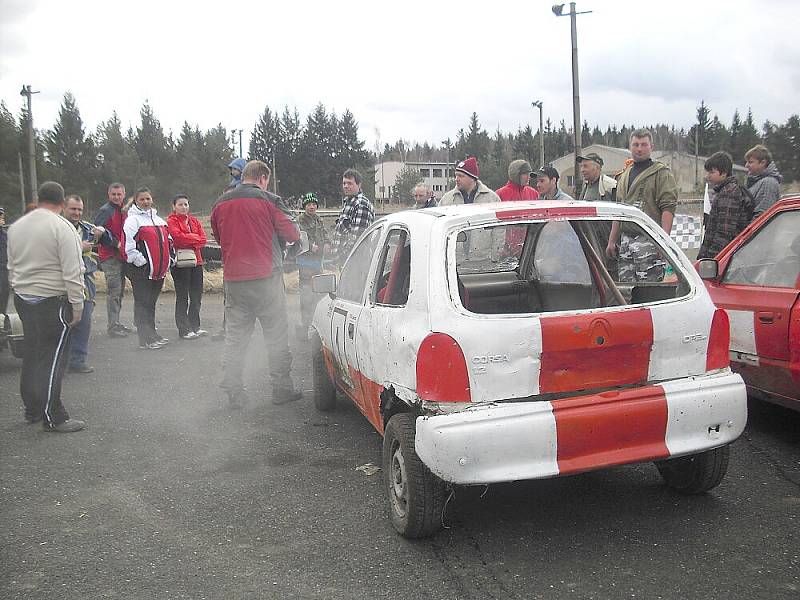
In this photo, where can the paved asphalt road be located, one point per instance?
(167, 494)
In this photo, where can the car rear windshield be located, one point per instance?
(562, 265)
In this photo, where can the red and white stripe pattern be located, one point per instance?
(530, 440)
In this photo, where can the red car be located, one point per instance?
(756, 279)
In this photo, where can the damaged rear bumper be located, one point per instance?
(512, 441)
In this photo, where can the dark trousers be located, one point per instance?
(246, 302)
(145, 296)
(46, 347)
(79, 347)
(4, 290)
(188, 297)
(114, 271)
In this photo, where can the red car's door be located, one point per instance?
(759, 289)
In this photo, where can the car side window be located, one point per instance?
(394, 270)
(771, 257)
(354, 275)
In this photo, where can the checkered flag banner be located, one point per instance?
(687, 231)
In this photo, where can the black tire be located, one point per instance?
(415, 495)
(324, 389)
(696, 473)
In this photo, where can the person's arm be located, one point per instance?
(131, 228)
(181, 238)
(768, 194)
(70, 252)
(666, 221)
(613, 240)
(286, 230)
(667, 198)
(201, 234)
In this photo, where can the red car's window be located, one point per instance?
(771, 257)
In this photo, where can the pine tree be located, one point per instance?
(71, 154)
(9, 163)
(118, 159)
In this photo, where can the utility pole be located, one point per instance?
(233, 140)
(447, 144)
(274, 174)
(26, 91)
(21, 184)
(241, 154)
(538, 104)
(558, 10)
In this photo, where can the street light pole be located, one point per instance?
(538, 104)
(26, 91)
(558, 10)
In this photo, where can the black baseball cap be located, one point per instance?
(547, 171)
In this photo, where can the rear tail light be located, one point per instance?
(442, 370)
(717, 356)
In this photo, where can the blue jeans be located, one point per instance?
(79, 350)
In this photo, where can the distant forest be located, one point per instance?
(309, 153)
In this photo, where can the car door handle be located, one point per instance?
(351, 329)
(766, 317)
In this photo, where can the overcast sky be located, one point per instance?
(411, 69)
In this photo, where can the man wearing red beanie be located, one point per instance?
(469, 189)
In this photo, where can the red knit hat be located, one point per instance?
(469, 166)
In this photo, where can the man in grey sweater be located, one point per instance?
(45, 269)
(763, 178)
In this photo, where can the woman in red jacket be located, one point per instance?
(187, 234)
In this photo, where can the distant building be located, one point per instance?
(687, 169)
(434, 174)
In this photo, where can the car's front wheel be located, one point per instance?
(696, 473)
(324, 389)
(416, 496)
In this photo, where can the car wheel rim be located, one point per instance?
(398, 483)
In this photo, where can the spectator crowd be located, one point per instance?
(50, 257)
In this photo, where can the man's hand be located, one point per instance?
(86, 245)
(611, 250)
(76, 317)
(98, 231)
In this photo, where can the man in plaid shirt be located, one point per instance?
(356, 215)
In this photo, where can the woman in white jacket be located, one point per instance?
(149, 252)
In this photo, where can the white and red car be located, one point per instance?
(492, 343)
(756, 279)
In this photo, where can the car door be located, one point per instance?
(759, 288)
(347, 307)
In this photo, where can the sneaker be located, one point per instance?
(285, 395)
(151, 346)
(200, 332)
(124, 328)
(81, 369)
(162, 341)
(189, 336)
(67, 426)
(117, 333)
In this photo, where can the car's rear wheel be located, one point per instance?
(415, 495)
(324, 389)
(696, 473)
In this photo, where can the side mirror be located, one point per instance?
(461, 237)
(708, 268)
(324, 284)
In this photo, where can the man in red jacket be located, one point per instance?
(251, 232)
(517, 188)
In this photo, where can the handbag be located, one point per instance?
(185, 258)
